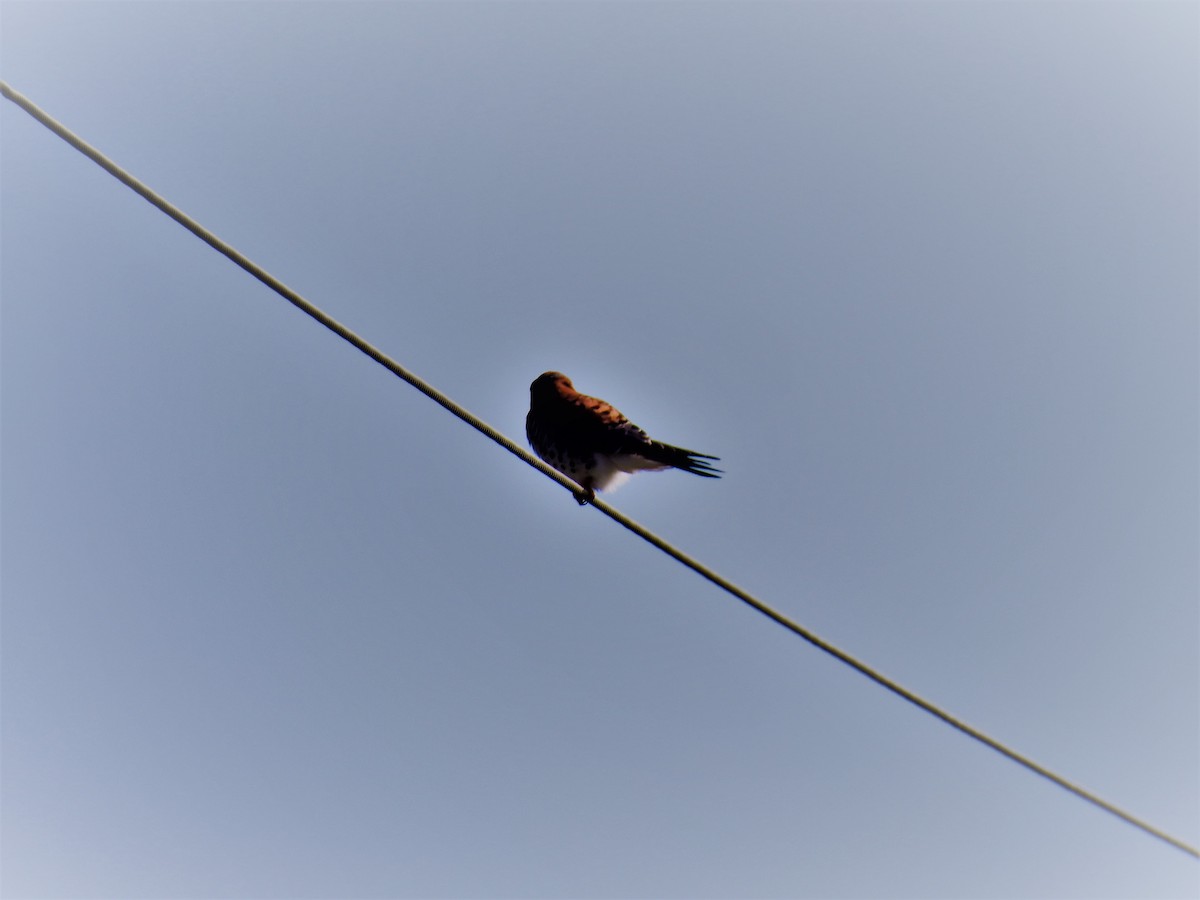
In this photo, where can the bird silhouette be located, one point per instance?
(590, 442)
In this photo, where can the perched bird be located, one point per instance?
(592, 443)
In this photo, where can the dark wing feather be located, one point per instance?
(688, 460)
(622, 436)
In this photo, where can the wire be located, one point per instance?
(640, 530)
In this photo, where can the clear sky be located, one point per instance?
(923, 275)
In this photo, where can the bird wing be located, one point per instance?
(622, 438)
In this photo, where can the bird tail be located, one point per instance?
(688, 460)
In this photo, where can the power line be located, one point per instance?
(640, 530)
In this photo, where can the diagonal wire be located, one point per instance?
(640, 530)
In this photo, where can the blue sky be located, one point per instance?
(923, 275)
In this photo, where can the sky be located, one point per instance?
(923, 275)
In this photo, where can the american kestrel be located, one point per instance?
(592, 443)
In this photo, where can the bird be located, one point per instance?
(590, 442)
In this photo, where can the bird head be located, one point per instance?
(550, 384)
